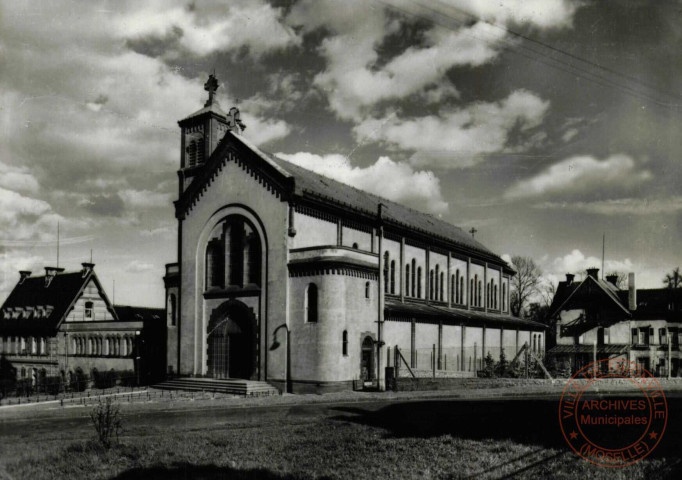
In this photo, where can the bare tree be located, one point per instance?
(621, 281)
(524, 284)
(673, 279)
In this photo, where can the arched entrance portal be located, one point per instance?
(232, 342)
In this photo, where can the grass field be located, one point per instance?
(436, 439)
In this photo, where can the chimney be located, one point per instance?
(612, 279)
(23, 275)
(50, 273)
(593, 272)
(632, 292)
(569, 278)
(87, 268)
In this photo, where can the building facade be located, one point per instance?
(287, 276)
(598, 320)
(56, 323)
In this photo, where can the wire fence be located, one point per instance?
(134, 395)
(446, 362)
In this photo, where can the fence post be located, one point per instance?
(475, 355)
(433, 355)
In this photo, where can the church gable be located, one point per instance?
(232, 154)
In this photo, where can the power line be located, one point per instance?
(550, 61)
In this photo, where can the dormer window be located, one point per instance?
(89, 313)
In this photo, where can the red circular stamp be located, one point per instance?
(613, 429)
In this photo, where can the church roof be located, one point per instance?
(126, 313)
(326, 189)
(300, 182)
(212, 108)
(456, 316)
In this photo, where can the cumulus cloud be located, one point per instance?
(24, 217)
(18, 179)
(208, 27)
(137, 266)
(458, 138)
(581, 173)
(577, 262)
(393, 180)
(538, 13)
(621, 206)
(356, 79)
(145, 199)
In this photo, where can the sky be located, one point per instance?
(543, 124)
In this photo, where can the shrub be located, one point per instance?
(8, 377)
(502, 366)
(53, 385)
(106, 418)
(79, 381)
(105, 379)
(488, 367)
(128, 378)
(24, 387)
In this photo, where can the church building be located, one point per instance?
(290, 277)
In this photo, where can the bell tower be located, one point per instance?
(202, 131)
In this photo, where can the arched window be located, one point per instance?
(453, 289)
(344, 343)
(461, 289)
(89, 314)
(419, 282)
(437, 284)
(477, 291)
(457, 289)
(407, 279)
(171, 310)
(386, 258)
(393, 276)
(480, 293)
(504, 296)
(355, 246)
(431, 284)
(252, 258)
(367, 289)
(414, 276)
(471, 292)
(487, 295)
(441, 286)
(495, 296)
(215, 264)
(233, 254)
(311, 303)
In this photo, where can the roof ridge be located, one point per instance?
(475, 246)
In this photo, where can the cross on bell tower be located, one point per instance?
(473, 232)
(211, 86)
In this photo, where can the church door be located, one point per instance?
(367, 360)
(230, 347)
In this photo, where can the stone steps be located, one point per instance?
(228, 386)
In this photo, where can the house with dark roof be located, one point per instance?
(290, 277)
(56, 323)
(598, 320)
